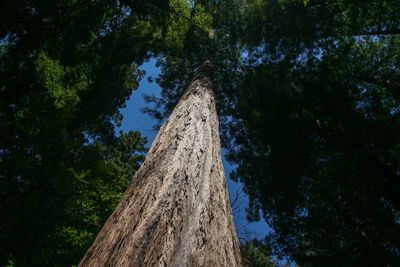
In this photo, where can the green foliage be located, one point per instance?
(51, 75)
(317, 129)
(66, 69)
(179, 27)
(256, 253)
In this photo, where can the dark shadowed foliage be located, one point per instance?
(66, 68)
(317, 139)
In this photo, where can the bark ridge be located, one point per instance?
(176, 212)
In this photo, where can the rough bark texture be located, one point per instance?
(177, 211)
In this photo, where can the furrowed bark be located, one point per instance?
(177, 211)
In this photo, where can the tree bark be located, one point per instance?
(176, 212)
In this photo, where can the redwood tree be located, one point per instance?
(176, 212)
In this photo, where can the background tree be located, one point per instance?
(317, 126)
(66, 69)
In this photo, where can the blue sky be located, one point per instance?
(134, 119)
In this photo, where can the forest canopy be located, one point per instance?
(308, 95)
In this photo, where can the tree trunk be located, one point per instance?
(177, 211)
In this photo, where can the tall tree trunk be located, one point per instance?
(177, 211)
